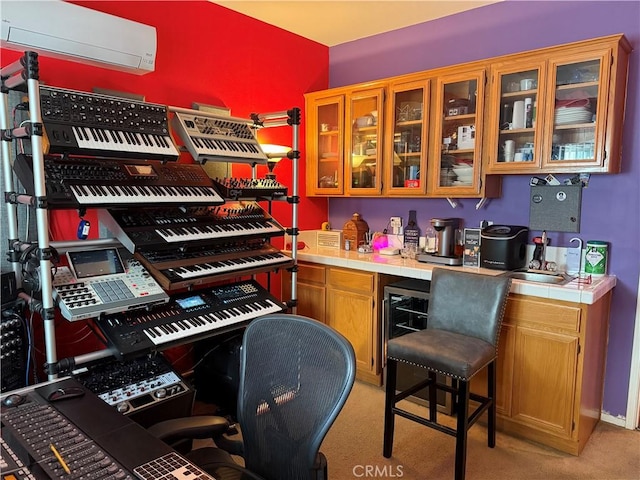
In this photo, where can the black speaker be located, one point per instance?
(555, 208)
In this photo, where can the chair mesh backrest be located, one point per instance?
(468, 303)
(295, 376)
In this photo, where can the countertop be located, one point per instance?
(573, 291)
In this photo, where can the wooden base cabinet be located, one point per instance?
(310, 289)
(551, 359)
(349, 301)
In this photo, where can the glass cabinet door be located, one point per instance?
(516, 139)
(363, 142)
(327, 140)
(406, 157)
(576, 118)
(457, 162)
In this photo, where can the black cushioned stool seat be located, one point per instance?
(463, 325)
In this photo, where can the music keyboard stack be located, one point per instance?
(81, 123)
(189, 246)
(93, 183)
(189, 226)
(244, 188)
(218, 138)
(189, 317)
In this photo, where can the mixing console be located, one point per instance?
(57, 444)
(61, 430)
(133, 385)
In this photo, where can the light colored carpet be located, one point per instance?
(353, 448)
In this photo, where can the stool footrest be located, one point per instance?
(411, 390)
(485, 403)
(425, 421)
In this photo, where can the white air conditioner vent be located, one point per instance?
(64, 30)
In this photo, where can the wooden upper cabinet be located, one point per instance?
(324, 143)
(406, 138)
(570, 120)
(514, 131)
(576, 116)
(364, 142)
(447, 132)
(344, 141)
(458, 119)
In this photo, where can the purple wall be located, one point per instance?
(610, 204)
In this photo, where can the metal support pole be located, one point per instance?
(15, 75)
(292, 119)
(295, 153)
(7, 176)
(42, 214)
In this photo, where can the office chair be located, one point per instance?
(464, 318)
(295, 376)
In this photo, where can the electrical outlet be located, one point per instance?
(396, 225)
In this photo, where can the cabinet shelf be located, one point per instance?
(368, 130)
(458, 152)
(409, 154)
(409, 123)
(571, 86)
(571, 126)
(520, 93)
(517, 131)
(458, 118)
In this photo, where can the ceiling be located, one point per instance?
(334, 22)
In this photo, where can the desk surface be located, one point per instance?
(404, 267)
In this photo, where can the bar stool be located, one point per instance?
(464, 318)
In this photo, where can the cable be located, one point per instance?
(33, 349)
(214, 349)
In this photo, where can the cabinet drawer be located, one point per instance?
(311, 273)
(558, 316)
(351, 280)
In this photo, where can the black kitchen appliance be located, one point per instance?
(503, 247)
(405, 311)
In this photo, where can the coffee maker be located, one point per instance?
(445, 243)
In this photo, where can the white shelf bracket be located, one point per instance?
(483, 201)
(453, 202)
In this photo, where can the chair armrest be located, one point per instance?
(199, 426)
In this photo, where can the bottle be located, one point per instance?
(411, 231)
(507, 116)
(430, 244)
(528, 112)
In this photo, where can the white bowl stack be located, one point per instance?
(464, 174)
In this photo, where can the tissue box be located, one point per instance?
(466, 137)
(329, 239)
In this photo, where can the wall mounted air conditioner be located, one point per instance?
(64, 30)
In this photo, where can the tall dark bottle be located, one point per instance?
(412, 231)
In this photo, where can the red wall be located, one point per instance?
(212, 55)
